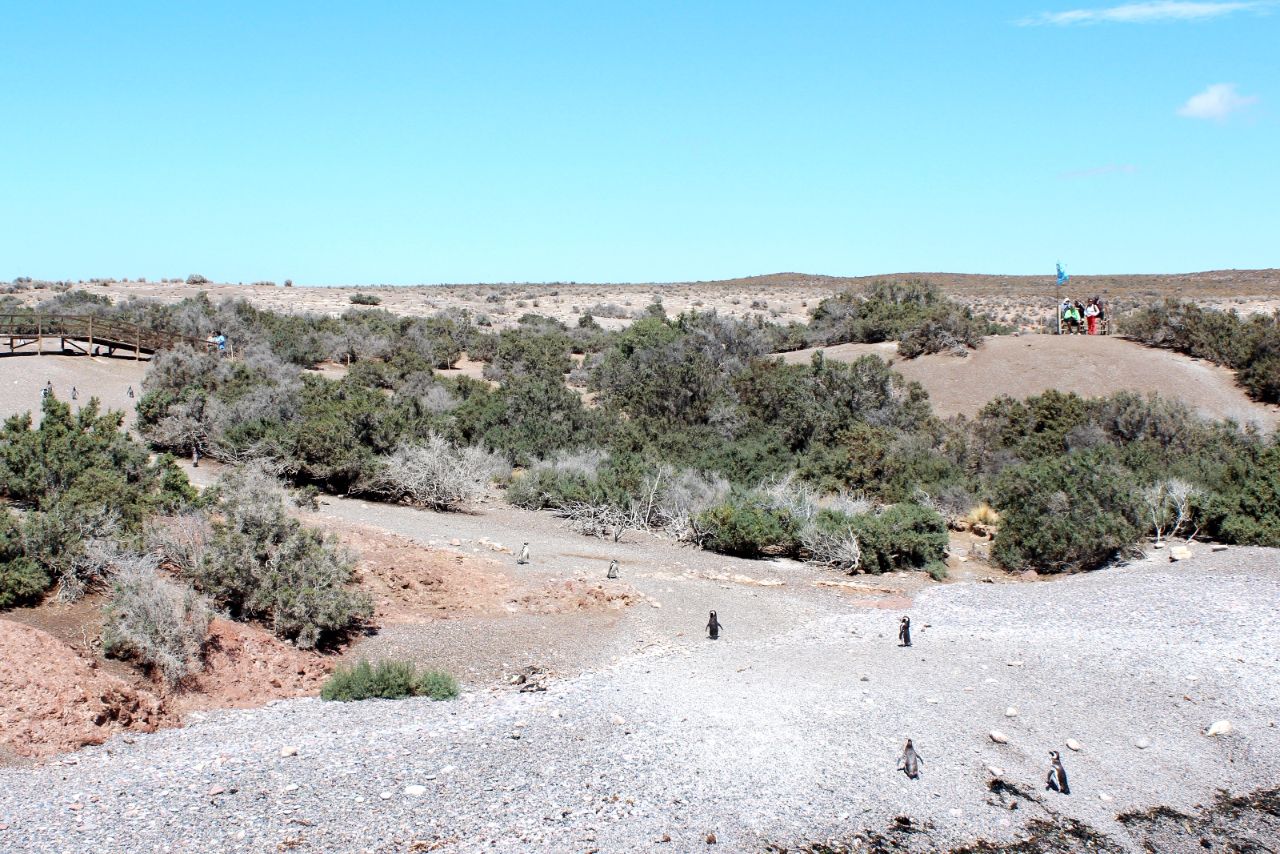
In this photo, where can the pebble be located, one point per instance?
(1142, 743)
(386, 796)
(1072, 744)
(1011, 712)
(1103, 796)
(995, 771)
(998, 737)
(617, 720)
(415, 791)
(1220, 728)
(288, 751)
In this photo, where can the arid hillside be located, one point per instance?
(1019, 300)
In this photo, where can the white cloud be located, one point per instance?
(1142, 13)
(1216, 103)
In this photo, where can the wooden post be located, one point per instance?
(39, 335)
(91, 335)
(137, 342)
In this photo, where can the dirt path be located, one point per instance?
(1094, 366)
(108, 379)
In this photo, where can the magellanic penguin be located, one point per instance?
(904, 631)
(1057, 779)
(911, 761)
(714, 626)
(524, 554)
(613, 569)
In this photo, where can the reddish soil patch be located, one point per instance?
(56, 699)
(247, 666)
(411, 583)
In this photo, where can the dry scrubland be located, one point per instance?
(1022, 301)
(643, 735)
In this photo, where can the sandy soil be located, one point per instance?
(108, 379)
(1020, 366)
(783, 297)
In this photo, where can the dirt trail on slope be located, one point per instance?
(1091, 366)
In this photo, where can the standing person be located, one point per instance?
(1102, 316)
(221, 341)
(1091, 316)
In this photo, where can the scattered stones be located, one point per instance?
(1072, 744)
(998, 737)
(1222, 727)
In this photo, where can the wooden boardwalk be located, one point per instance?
(37, 334)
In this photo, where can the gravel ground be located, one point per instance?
(785, 736)
(108, 379)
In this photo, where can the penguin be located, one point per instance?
(195, 457)
(130, 392)
(910, 762)
(1057, 779)
(524, 554)
(613, 569)
(904, 631)
(75, 395)
(714, 626)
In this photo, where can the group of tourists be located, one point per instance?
(1087, 319)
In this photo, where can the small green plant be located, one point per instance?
(365, 299)
(387, 680)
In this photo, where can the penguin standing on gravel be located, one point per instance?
(75, 395)
(613, 569)
(910, 762)
(714, 626)
(524, 554)
(904, 631)
(130, 392)
(1057, 779)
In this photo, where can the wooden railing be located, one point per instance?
(96, 334)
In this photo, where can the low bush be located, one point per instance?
(435, 474)
(1066, 513)
(365, 299)
(262, 564)
(747, 525)
(915, 313)
(902, 537)
(22, 580)
(158, 623)
(387, 680)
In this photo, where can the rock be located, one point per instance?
(1011, 712)
(1219, 548)
(288, 751)
(1220, 728)
(998, 737)
(1103, 796)
(711, 839)
(1013, 664)
(1142, 743)
(292, 787)
(386, 796)
(216, 790)
(415, 791)
(994, 771)
(1072, 744)
(1179, 553)
(455, 542)
(617, 720)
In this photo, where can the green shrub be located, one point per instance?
(902, 537)
(915, 313)
(1065, 513)
(1244, 507)
(154, 621)
(22, 580)
(387, 680)
(260, 563)
(365, 299)
(745, 525)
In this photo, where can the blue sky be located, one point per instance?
(619, 141)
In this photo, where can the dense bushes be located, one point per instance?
(262, 564)
(747, 525)
(916, 314)
(22, 579)
(1249, 345)
(387, 680)
(902, 537)
(160, 624)
(435, 474)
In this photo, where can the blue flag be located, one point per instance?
(1063, 278)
